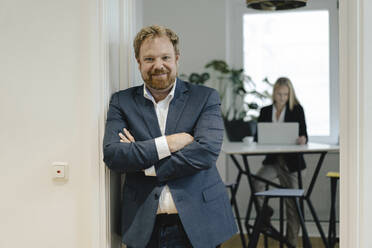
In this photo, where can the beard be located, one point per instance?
(159, 83)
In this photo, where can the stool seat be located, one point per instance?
(230, 184)
(282, 193)
(333, 174)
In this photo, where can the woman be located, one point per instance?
(285, 108)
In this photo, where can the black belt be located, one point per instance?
(167, 220)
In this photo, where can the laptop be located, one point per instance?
(284, 133)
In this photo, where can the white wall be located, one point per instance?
(200, 25)
(49, 112)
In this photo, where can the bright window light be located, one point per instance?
(294, 45)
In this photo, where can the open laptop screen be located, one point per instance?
(284, 133)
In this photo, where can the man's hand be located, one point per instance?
(126, 137)
(178, 141)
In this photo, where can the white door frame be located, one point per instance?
(118, 22)
(351, 133)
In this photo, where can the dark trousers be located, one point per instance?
(168, 233)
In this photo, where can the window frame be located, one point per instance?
(236, 9)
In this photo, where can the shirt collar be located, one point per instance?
(147, 94)
(281, 117)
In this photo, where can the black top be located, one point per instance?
(293, 160)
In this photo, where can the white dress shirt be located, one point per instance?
(281, 117)
(166, 203)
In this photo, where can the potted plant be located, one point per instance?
(240, 98)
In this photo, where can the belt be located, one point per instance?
(167, 219)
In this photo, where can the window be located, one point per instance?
(295, 45)
(301, 44)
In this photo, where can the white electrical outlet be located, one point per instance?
(59, 170)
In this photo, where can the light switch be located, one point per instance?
(59, 170)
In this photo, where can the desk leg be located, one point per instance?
(316, 173)
(313, 213)
(250, 182)
(300, 186)
(234, 203)
(248, 216)
(240, 171)
(308, 194)
(253, 191)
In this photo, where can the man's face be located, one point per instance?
(158, 62)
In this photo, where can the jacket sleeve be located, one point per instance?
(125, 157)
(302, 122)
(203, 152)
(262, 118)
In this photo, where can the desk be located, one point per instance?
(240, 149)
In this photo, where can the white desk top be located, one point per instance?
(242, 148)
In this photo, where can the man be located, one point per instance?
(166, 136)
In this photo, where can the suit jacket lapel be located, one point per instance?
(287, 114)
(176, 107)
(147, 109)
(270, 113)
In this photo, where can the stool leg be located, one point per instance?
(253, 241)
(306, 240)
(281, 220)
(332, 218)
(266, 245)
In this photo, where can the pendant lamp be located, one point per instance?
(275, 4)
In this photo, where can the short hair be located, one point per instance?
(152, 32)
(292, 99)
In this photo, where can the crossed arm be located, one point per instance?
(189, 154)
(175, 141)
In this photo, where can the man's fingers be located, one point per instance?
(178, 141)
(129, 136)
(123, 139)
(126, 137)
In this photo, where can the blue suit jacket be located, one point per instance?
(197, 189)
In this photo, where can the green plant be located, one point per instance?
(239, 95)
(196, 78)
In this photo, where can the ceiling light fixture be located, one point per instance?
(275, 4)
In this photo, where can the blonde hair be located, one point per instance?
(152, 32)
(292, 99)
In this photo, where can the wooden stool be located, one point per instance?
(332, 237)
(296, 195)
